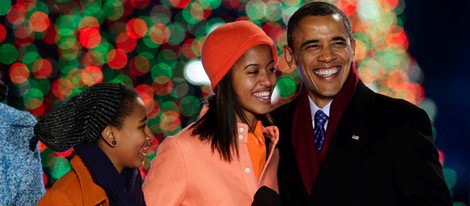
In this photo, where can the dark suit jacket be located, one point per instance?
(394, 162)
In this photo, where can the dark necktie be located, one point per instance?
(319, 130)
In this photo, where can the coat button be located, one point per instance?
(240, 136)
(247, 170)
(242, 129)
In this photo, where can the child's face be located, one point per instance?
(253, 79)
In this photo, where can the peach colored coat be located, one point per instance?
(187, 172)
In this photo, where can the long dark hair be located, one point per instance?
(219, 124)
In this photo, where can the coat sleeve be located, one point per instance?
(166, 181)
(417, 170)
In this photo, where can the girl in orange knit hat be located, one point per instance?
(228, 154)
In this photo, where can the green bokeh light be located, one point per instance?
(5, 6)
(113, 10)
(67, 66)
(123, 79)
(189, 106)
(180, 88)
(167, 56)
(369, 10)
(161, 69)
(149, 44)
(160, 14)
(60, 167)
(30, 57)
(273, 11)
(94, 9)
(66, 25)
(169, 106)
(8, 53)
(178, 34)
(256, 9)
(42, 85)
(193, 13)
(33, 98)
(451, 177)
(213, 23)
(210, 4)
(167, 59)
(286, 87)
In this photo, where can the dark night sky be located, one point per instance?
(439, 33)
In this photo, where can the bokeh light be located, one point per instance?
(52, 50)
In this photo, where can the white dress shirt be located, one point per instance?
(314, 108)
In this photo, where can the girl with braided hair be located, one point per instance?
(228, 154)
(106, 125)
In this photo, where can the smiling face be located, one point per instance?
(132, 139)
(253, 80)
(322, 53)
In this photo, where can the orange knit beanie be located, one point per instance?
(227, 43)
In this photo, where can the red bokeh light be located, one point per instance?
(50, 37)
(3, 33)
(92, 75)
(441, 156)
(19, 73)
(136, 28)
(39, 111)
(397, 38)
(39, 21)
(64, 154)
(159, 33)
(17, 14)
(139, 65)
(146, 93)
(187, 49)
(27, 4)
(349, 7)
(273, 30)
(24, 35)
(180, 4)
(389, 5)
(140, 4)
(42, 68)
(125, 42)
(117, 59)
(162, 85)
(170, 121)
(93, 58)
(62, 88)
(89, 37)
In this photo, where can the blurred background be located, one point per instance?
(51, 50)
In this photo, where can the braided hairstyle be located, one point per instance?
(85, 116)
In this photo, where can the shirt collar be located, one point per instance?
(271, 132)
(314, 108)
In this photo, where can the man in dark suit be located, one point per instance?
(341, 143)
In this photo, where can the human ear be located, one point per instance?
(289, 57)
(108, 136)
(353, 47)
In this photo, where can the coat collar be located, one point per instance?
(93, 194)
(270, 132)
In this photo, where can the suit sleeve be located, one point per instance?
(166, 181)
(417, 170)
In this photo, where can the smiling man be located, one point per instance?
(341, 143)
